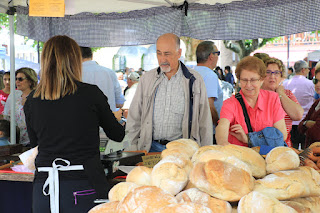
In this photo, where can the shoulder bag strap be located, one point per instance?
(245, 113)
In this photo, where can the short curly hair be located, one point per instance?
(252, 64)
(277, 62)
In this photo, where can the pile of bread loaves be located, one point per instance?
(217, 179)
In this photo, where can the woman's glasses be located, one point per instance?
(252, 81)
(315, 81)
(20, 79)
(276, 73)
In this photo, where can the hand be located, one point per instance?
(280, 90)
(118, 114)
(238, 132)
(310, 124)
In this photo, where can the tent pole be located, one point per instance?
(12, 76)
(288, 52)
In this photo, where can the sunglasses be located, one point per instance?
(218, 52)
(315, 81)
(20, 79)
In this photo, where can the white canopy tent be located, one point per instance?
(97, 23)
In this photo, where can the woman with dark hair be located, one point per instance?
(63, 118)
(263, 107)
(26, 81)
(310, 125)
(4, 93)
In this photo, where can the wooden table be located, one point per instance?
(16, 177)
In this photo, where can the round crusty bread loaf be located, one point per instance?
(254, 160)
(186, 207)
(120, 190)
(173, 152)
(281, 158)
(222, 180)
(199, 197)
(187, 146)
(140, 175)
(181, 161)
(284, 185)
(145, 199)
(297, 206)
(315, 144)
(105, 207)
(259, 203)
(169, 177)
(313, 203)
(225, 157)
(203, 149)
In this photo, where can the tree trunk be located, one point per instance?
(191, 46)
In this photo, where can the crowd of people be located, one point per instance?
(61, 114)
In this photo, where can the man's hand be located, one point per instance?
(237, 131)
(118, 114)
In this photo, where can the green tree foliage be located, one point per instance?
(244, 47)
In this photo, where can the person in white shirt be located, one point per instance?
(106, 79)
(133, 80)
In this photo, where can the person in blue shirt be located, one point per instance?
(207, 58)
(228, 77)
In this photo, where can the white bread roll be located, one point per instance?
(202, 198)
(221, 180)
(297, 206)
(281, 158)
(180, 160)
(225, 157)
(290, 184)
(188, 146)
(313, 203)
(110, 207)
(140, 175)
(254, 160)
(145, 199)
(203, 149)
(169, 177)
(174, 152)
(186, 207)
(256, 202)
(120, 190)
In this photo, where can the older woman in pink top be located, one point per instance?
(264, 107)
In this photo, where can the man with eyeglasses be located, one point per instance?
(170, 103)
(303, 90)
(207, 57)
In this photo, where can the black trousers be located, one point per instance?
(41, 203)
(297, 137)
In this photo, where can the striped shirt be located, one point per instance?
(169, 107)
(287, 119)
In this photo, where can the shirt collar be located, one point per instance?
(259, 103)
(178, 73)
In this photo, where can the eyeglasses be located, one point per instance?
(218, 52)
(20, 79)
(276, 73)
(252, 81)
(315, 80)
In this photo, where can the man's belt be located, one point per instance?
(162, 142)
